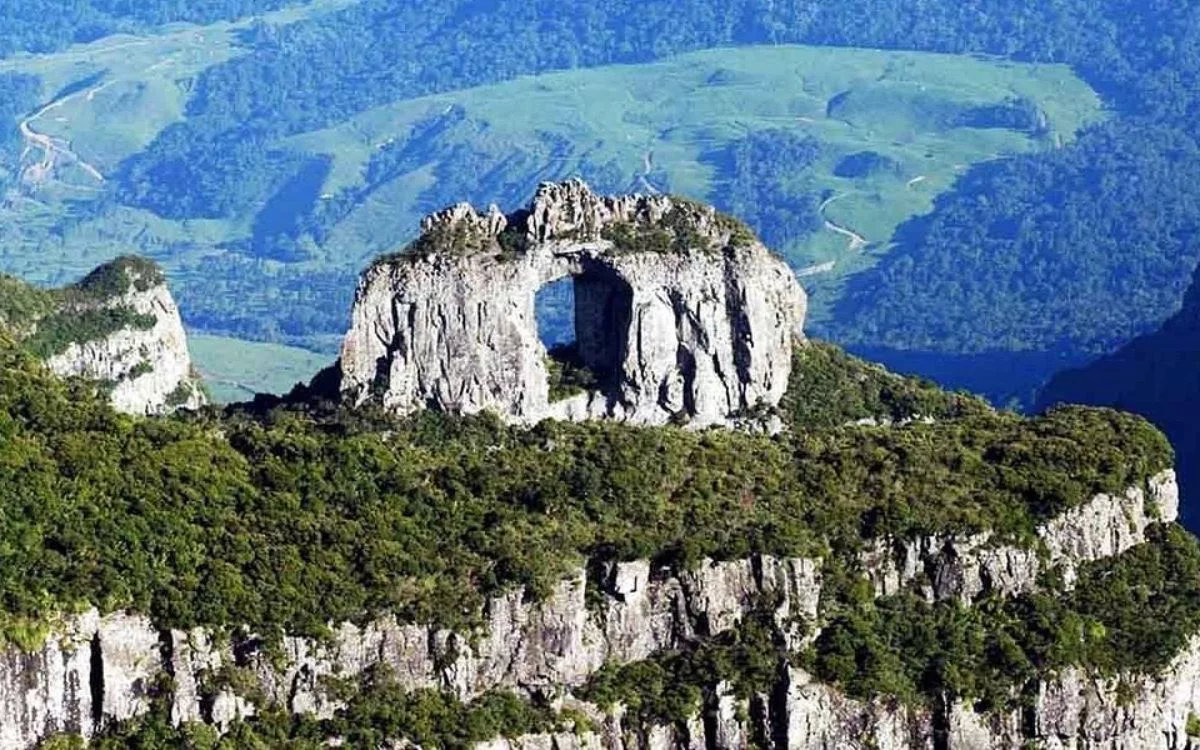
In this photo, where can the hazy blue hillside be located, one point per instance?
(1157, 376)
(50, 25)
(941, 210)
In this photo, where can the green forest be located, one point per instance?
(291, 517)
(286, 515)
(49, 25)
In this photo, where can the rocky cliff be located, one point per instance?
(121, 327)
(965, 567)
(681, 315)
(98, 670)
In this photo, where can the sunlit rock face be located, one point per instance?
(95, 670)
(144, 362)
(681, 315)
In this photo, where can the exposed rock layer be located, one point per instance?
(680, 313)
(100, 669)
(150, 369)
(965, 567)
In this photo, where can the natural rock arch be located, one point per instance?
(682, 311)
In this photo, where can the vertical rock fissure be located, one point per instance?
(941, 722)
(761, 732)
(96, 681)
(777, 708)
(740, 330)
(710, 717)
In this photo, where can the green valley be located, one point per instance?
(875, 135)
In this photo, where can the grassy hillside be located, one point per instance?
(284, 269)
(665, 126)
(235, 370)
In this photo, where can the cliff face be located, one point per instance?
(680, 315)
(151, 368)
(97, 670)
(965, 567)
(120, 326)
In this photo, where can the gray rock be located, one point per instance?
(820, 718)
(130, 661)
(49, 690)
(965, 567)
(150, 370)
(702, 332)
(550, 648)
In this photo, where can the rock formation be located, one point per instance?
(122, 327)
(967, 566)
(681, 315)
(97, 670)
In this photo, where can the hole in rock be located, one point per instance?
(583, 321)
(554, 307)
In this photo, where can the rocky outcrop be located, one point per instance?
(966, 567)
(144, 357)
(97, 670)
(1072, 710)
(680, 314)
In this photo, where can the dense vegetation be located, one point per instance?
(19, 93)
(47, 322)
(763, 184)
(1069, 253)
(1154, 376)
(57, 331)
(1080, 249)
(46, 25)
(832, 388)
(296, 519)
(1130, 614)
(21, 304)
(669, 687)
(378, 710)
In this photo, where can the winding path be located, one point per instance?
(855, 241)
(53, 149)
(644, 177)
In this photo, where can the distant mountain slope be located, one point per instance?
(763, 132)
(205, 148)
(1157, 376)
(1051, 260)
(50, 25)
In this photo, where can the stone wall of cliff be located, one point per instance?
(100, 669)
(680, 313)
(120, 326)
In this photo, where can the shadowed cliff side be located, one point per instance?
(1157, 376)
